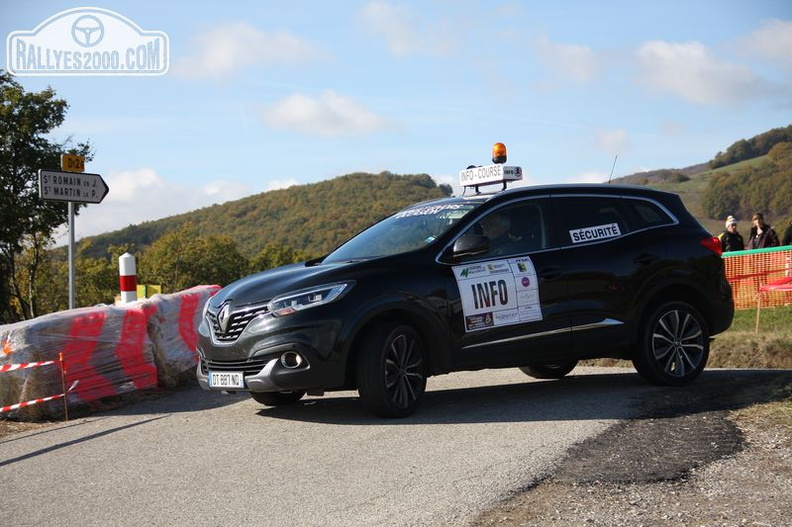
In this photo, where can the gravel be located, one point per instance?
(685, 463)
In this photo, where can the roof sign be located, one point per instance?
(489, 175)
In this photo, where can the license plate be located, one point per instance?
(227, 379)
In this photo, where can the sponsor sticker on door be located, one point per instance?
(499, 293)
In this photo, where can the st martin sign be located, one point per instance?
(57, 185)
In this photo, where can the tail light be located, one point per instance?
(712, 243)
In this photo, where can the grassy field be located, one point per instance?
(743, 347)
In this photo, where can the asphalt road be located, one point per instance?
(199, 458)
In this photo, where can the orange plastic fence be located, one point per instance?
(747, 271)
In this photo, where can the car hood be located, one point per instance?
(263, 286)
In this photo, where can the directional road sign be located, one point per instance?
(57, 185)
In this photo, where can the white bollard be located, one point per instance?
(127, 278)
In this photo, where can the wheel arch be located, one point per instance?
(433, 335)
(679, 292)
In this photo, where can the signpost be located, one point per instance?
(72, 185)
(57, 185)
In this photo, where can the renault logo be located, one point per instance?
(223, 317)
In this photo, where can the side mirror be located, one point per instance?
(470, 245)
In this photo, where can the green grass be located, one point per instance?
(777, 320)
(742, 346)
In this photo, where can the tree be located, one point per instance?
(273, 255)
(33, 284)
(183, 259)
(97, 278)
(27, 221)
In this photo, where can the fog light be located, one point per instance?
(291, 360)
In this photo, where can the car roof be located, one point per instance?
(552, 190)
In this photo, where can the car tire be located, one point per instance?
(554, 370)
(674, 345)
(277, 398)
(391, 370)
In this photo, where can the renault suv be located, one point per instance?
(536, 278)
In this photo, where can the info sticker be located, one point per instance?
(498, 293)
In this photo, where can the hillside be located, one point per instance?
(753, 174)
(312, 218)
(691, 184)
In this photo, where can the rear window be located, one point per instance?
(591, 219)
(647, 214)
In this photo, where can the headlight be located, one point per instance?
(306, 298)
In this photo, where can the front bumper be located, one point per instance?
(263, 381)
(283, 368)
(297, 352)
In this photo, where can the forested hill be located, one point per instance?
(752, 175)
(313, 218)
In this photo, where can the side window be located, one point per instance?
(647, 214)
(591, 219)
(516, 229)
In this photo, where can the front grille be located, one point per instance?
(249, 366)
(237, 323)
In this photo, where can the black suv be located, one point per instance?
(536, 278)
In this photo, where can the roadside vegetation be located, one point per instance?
(742, 346)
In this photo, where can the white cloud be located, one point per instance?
(278, 184)
(234, 46)
(690, 71)
(589, 177)
(773, 42)
(142, 195)
(569, 61)
(405, 32)
(329, 115)
(612, 141)
(225, 190)
(128, 185)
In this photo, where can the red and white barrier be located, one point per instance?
(173, 330)
(17, 406)
(127, 278)
(37, 364)
(111, 350)
(13, 367)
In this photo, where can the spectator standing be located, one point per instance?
(762, 234)
(730, 239)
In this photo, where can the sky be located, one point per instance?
(263, 95)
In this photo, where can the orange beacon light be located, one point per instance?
(499, 153)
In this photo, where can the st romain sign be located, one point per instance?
(57, 185)
(71, 185)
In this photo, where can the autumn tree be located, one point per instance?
(97, 278)
(273, 255)
(764, 186)
(184, 258)
(27, 222)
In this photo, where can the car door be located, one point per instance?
(608, 254)
(509, 305)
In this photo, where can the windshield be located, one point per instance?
(407, 230)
